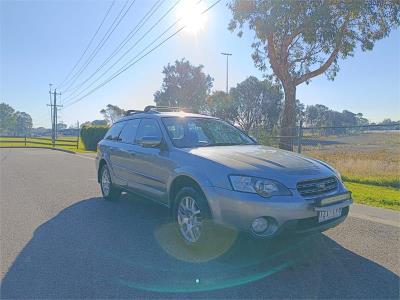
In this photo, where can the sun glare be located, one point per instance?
(190, 13)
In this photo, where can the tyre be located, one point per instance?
(192, 217)
(109, 191)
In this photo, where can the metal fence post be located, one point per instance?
(300, 136)
(25, 140)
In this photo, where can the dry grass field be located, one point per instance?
(367, 160)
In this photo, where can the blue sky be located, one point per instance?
(42, 40)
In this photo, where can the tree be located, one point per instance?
(7, 118)
(61, 126)
(304, 39)
(361, 120)
(256, 102)
(300, 111)
(99, 122)
(184, 85)
(87, 123)
(220, 105)
(112, 113)
(23, 123)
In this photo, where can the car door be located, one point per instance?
(151, 165)
(113, 145)
(126, 155)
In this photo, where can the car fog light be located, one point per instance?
(259, 225)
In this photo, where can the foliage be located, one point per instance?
(220, 105)
(303, 39)
(91, 135)
(256, 103)
(7, 117)
(14, 122)
(184, 85)
(112, 113)
(61, 126)
(23, 123)
(321, 116)
(99, 122)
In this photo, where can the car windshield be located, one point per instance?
(190, 132)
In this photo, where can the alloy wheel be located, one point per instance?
(105, 182)
(189, 219)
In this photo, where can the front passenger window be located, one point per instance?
(114, 131)
(128, 134)
(147, 128)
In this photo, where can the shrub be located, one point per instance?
(91, 135)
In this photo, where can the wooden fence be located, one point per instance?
(26, 141)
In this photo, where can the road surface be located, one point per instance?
(60, 239)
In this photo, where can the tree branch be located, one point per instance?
(321, 69)
(329, 61)
(272, 56)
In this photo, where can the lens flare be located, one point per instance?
(190, 13)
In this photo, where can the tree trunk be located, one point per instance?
(288, 118)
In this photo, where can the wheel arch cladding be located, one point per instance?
(101, 164)
(183, 181)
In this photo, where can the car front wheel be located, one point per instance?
(110, 192)
(192, 217)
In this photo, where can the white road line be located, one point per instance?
(375, 219)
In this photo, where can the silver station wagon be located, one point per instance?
(208, 172)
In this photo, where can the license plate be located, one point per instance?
(328, 214)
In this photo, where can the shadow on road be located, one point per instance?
(98, 249)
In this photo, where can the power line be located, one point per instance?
(105, 38)
(88, 45)
(131, 34)
(126, 52)
(129, 65)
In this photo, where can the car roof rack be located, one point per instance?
(158, 109)
(132, 111)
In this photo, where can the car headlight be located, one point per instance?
(263, 187)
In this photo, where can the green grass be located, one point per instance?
(11, 142)
(373, 195)
(387, 181)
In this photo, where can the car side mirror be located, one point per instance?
(150, 141)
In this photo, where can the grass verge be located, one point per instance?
(373, 195)
(12, 142)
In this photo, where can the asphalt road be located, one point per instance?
(59, 239)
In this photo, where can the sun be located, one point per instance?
(190, 13)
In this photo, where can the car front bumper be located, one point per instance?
(285, 213)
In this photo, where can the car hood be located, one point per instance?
(256, 160)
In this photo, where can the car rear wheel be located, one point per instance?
(109, 191)
(192, 216)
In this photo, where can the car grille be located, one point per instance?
(317, 187)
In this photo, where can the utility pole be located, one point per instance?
(54, 108)
(51, 107)
(227, 63)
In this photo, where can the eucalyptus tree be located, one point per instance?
(304, 39)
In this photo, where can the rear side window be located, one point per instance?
(128, 134)
(114, 131)
(148, 127)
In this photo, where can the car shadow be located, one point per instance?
(128, 249)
